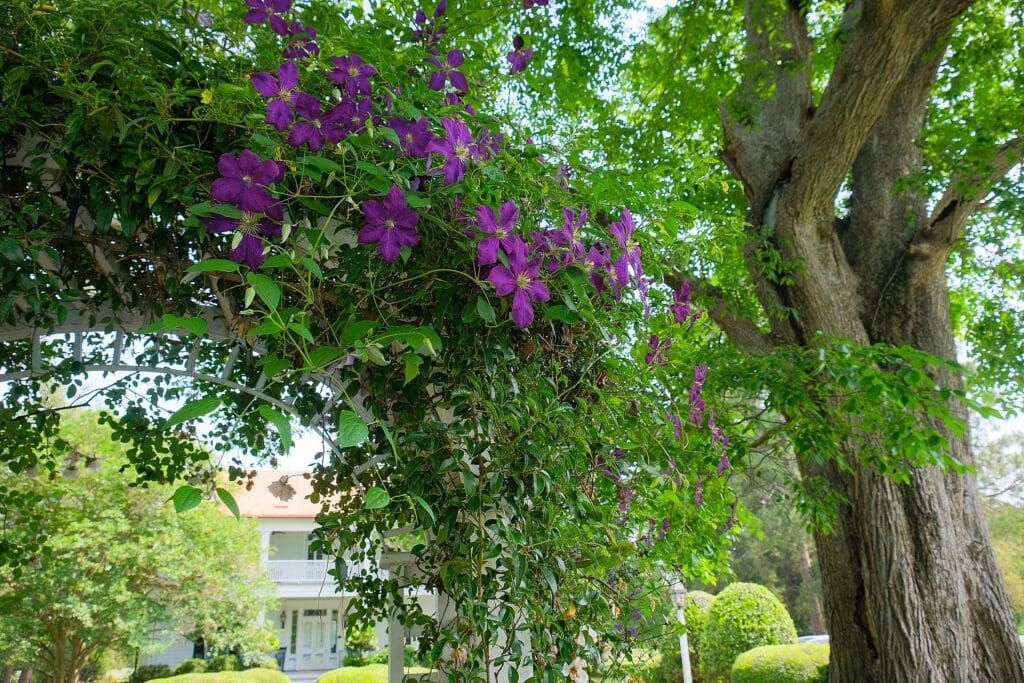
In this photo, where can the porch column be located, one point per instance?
(396, 641)
(265, 546)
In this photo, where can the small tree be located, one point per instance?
(741, 617)
(115, 561)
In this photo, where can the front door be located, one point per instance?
(312, 648)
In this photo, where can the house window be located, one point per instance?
(334, 631)
(314, 613)
(295, 630)
(315, 552)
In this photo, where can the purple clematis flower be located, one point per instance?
(623, 231)
(354, 115)
(456, 148)
(500, 230)
(530, 4)
(448, 71)
(430, 32)
(244, 180)
(719, 440)
(261, 10)
(569, 239)
(518, 58)
(659, 351)
(595, 262)
(279, 90)
(303, 41)
(249, 250)
(390, 224)
(415, 136)
(698, 496)
(522, 280)
(697, 403)
(318, 127)
(353, 74)
(677, 426)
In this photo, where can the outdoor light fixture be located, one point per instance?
(284, 618)
(678, 592)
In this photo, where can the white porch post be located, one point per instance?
(396, 643)
(265, 546)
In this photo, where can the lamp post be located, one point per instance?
(678, 591)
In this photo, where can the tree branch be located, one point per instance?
(885, 40)
(741, 331)
(964, 195)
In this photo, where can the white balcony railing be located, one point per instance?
(299, 571)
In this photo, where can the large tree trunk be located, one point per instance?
(911, 588)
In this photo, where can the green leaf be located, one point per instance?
(229, 502)
(266, 289)
(377, 498)
(325, 355)
(485, 310)
(550, 576)
(324, 164)
(417, 201)
(11, 250)
(426, 507)
(302, 331)
(186, 498)
(192, 410)
(218, 265)
(561, 312)
(372, 169)
(412, 366)
(352, 431)
(196, 326)
(281, 422)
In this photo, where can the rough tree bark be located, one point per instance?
(912, 591)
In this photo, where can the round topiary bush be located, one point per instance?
(224, 663)
(801, 663)
(149, 672)
(741, 617)
(191, 666)
(696, 614)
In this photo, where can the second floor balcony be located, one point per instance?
(300, 571)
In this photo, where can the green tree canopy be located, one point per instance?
(115, 564)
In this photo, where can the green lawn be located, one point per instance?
(374, 673)
(249, 676)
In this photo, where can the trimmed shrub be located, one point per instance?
(375, 673)
(263, 663)
(191, 666)
(149, 672)
(224, 663)
(801, 663)
(696, 614)
(742, 617)
(250, 676)
(379, 657)
(355, 659)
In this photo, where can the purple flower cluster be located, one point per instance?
(244, 183)
(430, 31)
(659, 351)
(697, 403)
(681, 306)
(719, 440)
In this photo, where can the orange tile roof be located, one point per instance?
(261, 501)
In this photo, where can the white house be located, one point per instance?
(309, 616)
